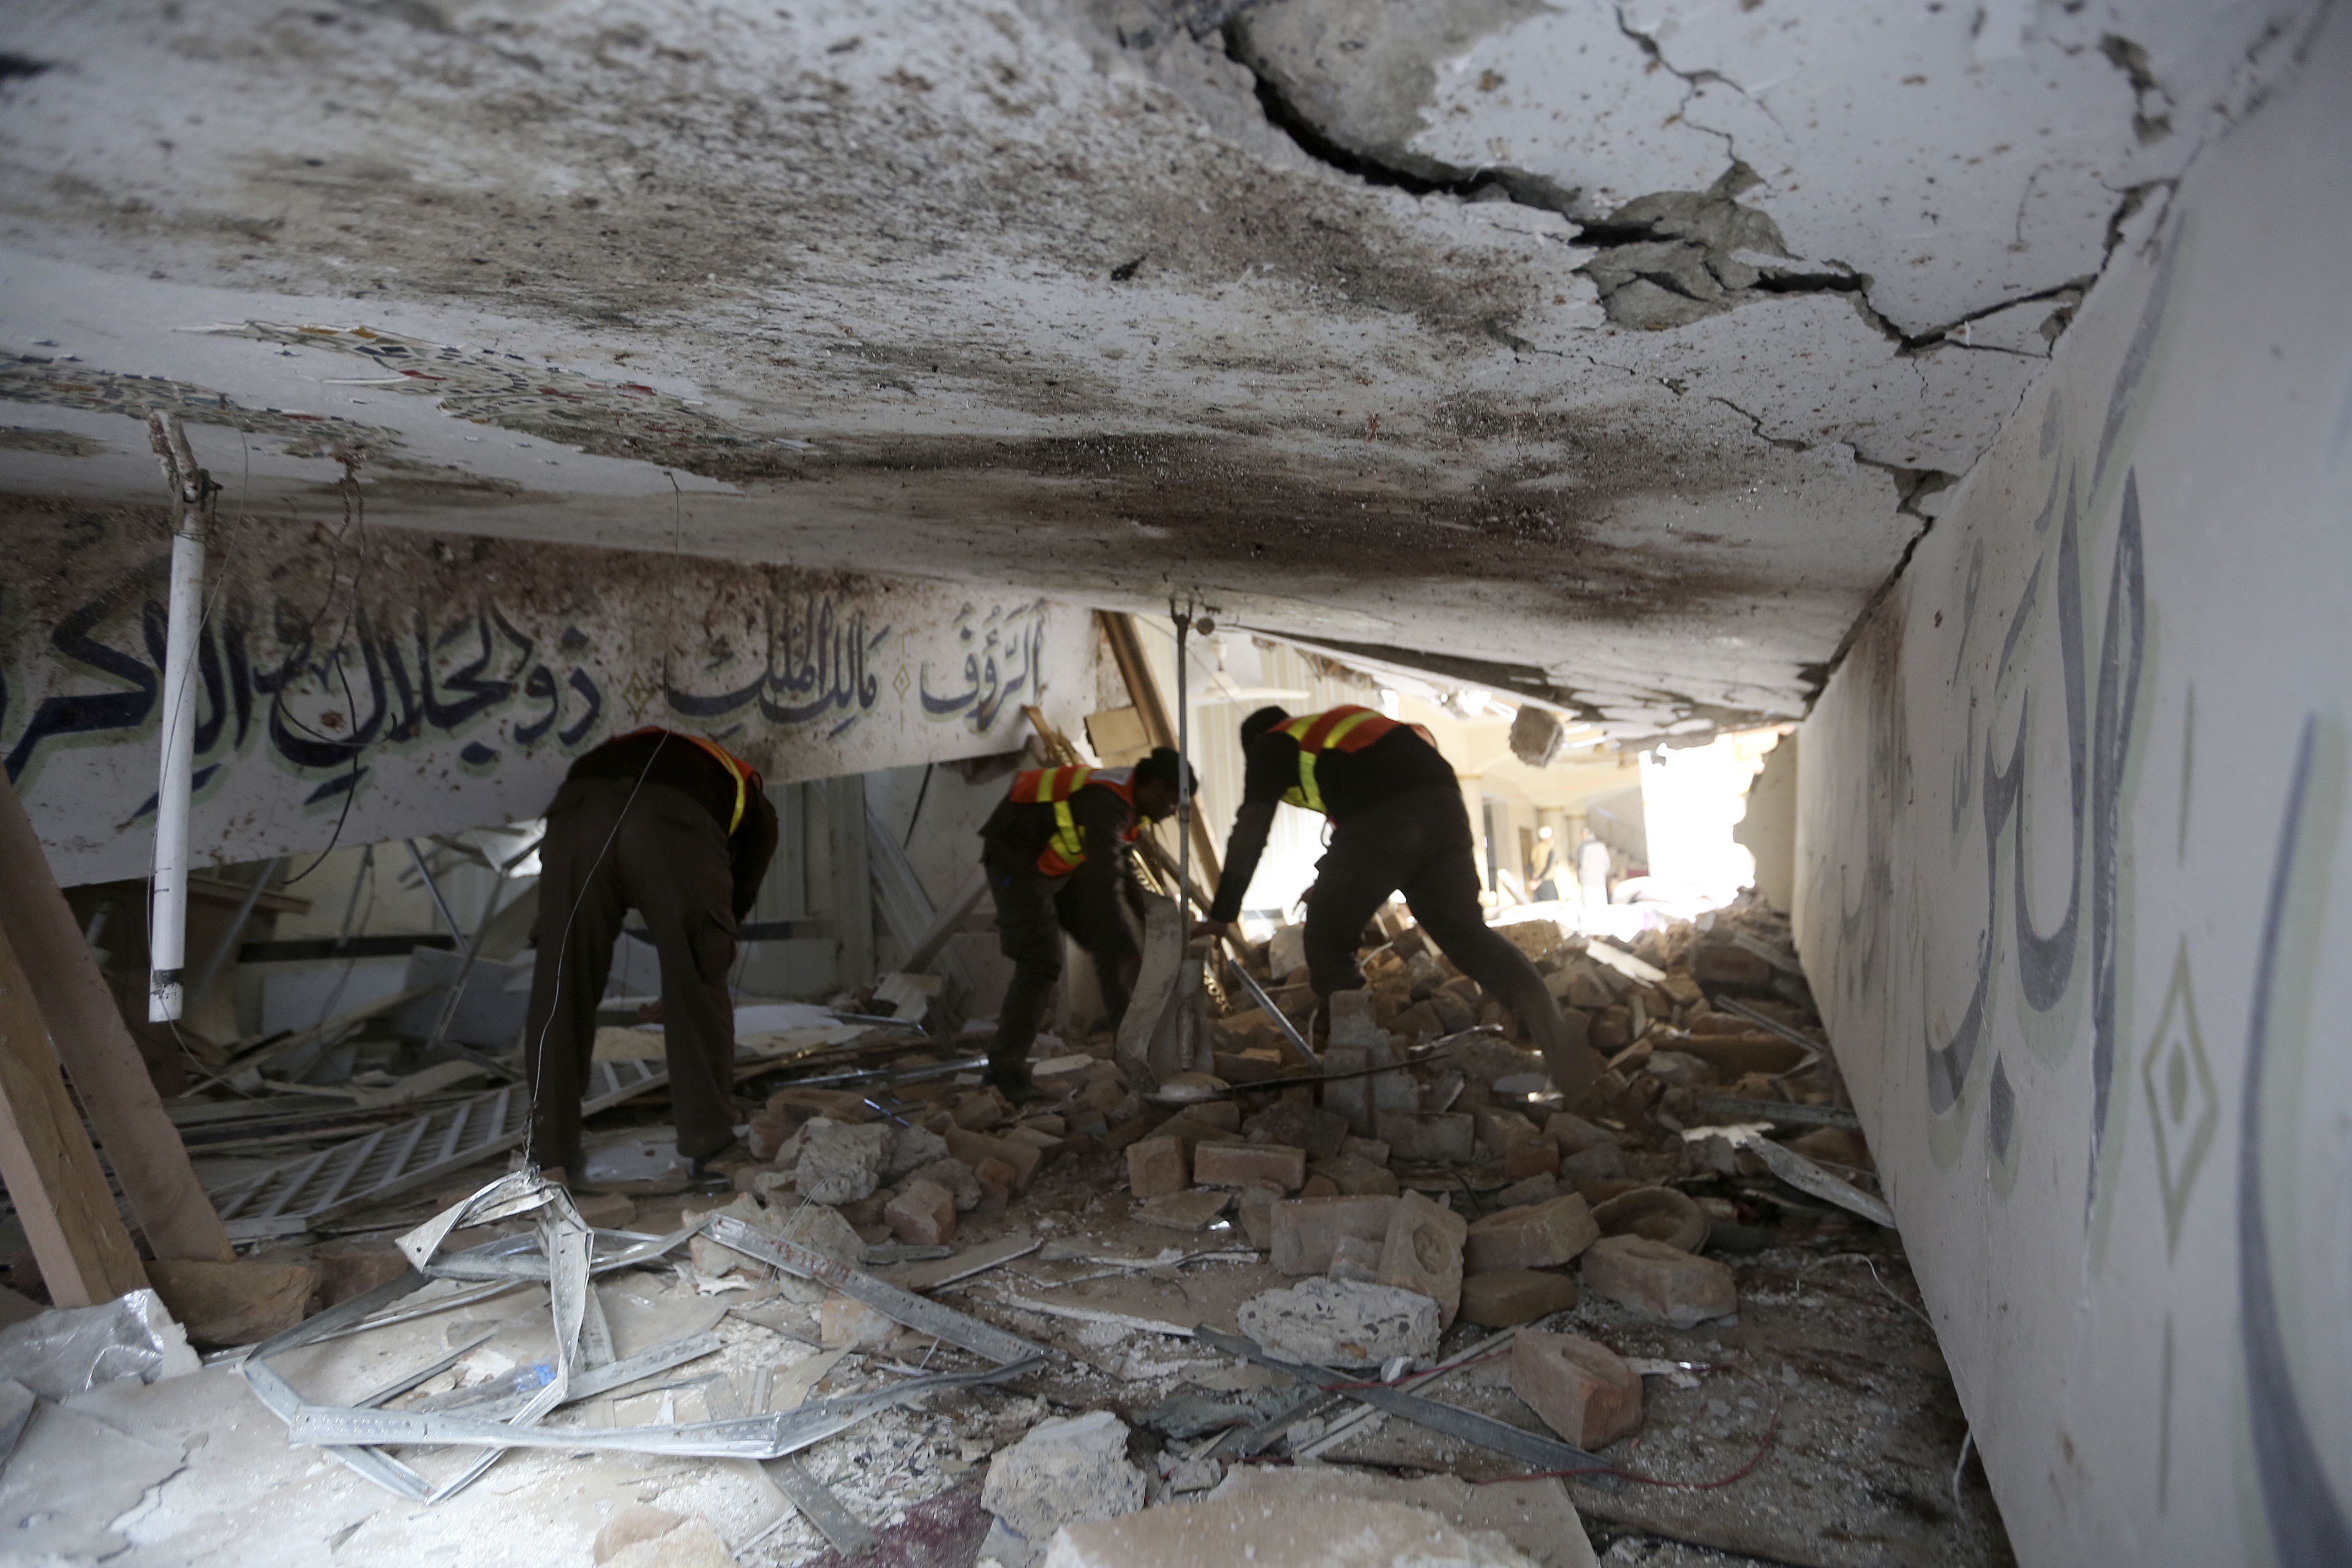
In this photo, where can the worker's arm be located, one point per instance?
(1102, 818)
(1252, 822)
(752, 848)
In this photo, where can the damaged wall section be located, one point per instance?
(375, 684)
(2072, 873)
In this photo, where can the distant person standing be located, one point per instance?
(1398, 823)
(678, 828)
(1545, 878)
(1592, 868)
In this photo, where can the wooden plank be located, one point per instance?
(52, 1171)
(91, 1038)
(1127, 649)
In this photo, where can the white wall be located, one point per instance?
(2076, 896)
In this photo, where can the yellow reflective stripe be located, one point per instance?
(1347, 727)
(1068, 842)
(1305, 794)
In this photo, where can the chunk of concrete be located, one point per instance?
(1355, 1258)
(631, 1526)
(1422, 1251)
(1355, 1022)
(1255, 1209)
(1539, 1158)
(1340, 1323)
(1064, 1472)
(1157, 1166)
(239, 1303)
(1660, 1282)
(844, 1322)
(924, 1215)
(1662, 1214)
(910, 1149)
(840, 1164)
(1542, 1236)
(1349, 1097)
(1582, 1389)
(1504, 1297)
(1275, 1167)
(1306, 1229)
(1293, 1528)
(1450, 1137)
(1574, 1134)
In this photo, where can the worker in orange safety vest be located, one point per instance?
(1398, 822)
(1057, 854)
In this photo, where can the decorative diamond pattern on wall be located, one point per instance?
(2184, 1106)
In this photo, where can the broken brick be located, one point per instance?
(973, 1148)
(1449, 1136)
(1505, 1297)
(1351, 1176)
(1658, 1282)
(1157, 1165)
(1371, 1149)
(1540, 1158)
(922, 1215)
(1541, 1235)
(1274, 1166)
(1583, 1390)
(1422, 1250)
(1306, 1229)
(997, 1183)
(1320, 1133)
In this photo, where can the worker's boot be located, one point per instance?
(1012, 1081)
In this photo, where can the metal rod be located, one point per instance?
(167, 935)
(434, 887)
(1183, 758)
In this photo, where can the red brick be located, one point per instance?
(1540, 1236)
(997, 1183)
(1274, 1166)
(1421, 1251)
(1504, 1297)
(1540, 1158)
(922, 1215)
(1584, 1391)
(1157, 1165)
(983, 1107)
(1306, 1229)
(1319, 1187)
(973, 1148)
(1658, 1282)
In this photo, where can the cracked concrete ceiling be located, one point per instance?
(1620, 352)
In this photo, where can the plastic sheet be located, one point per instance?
(71, 1350)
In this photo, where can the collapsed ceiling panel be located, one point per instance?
(1634, 345)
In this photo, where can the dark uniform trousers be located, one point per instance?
(666, 855)
(1032, 910)
(1420, 843)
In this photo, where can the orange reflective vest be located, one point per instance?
(745, 776)
(1066, 851)
(1347, 728)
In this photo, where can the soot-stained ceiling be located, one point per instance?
(1626, 348)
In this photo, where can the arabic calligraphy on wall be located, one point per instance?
(398, 683)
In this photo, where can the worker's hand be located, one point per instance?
(1213, 928)
(650, 1012)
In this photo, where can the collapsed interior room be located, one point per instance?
(1854, 496)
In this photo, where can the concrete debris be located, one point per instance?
(1341, 1324)
(1275, 1168)
(956, 1177)
(1063, 1471)
(908, 1149)
(1421, 1251)
(1543, 1236)
(839, 1164)
(1195, 1210)
(923, 1214)
(1661, 1214)
(1308, 1230)
(1302, 1532)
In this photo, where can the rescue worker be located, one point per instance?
(678, 828)
(1397, 822)
(1058, 859)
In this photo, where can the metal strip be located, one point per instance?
(1775, 1111)
(749, 1438)
(928, 1317)
(385, 1471)
(847, 1533)
(1468, 1426)
(1265, 1005)
(596, 1379)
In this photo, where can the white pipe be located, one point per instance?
(167, 925)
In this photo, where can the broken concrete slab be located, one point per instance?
(1582, 1388)
(1421, 1251)
(838, 1162)
(956, 1177)
(1340, 1323)
(1063, 1471)
(1658, 1282)
(1445, 1136)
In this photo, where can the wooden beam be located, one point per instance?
(53, 1175)
(71, 999)
(1127, 649)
